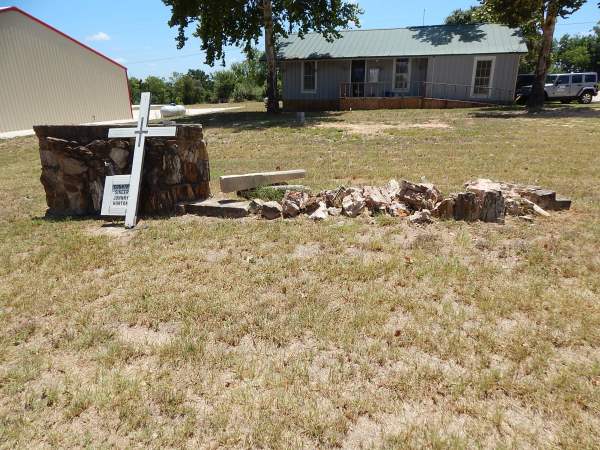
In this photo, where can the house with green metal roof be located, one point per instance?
(394, 67)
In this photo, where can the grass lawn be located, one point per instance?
(291, 334)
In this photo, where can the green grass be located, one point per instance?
(364, 332)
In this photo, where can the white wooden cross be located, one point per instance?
(115, 187)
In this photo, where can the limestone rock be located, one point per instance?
(544, 198)
(72, 166)
(353, 204)
(466, 207)
(256, 206)
(490, 202)
(321, 213)
(271, 210)
(334, 198)
(419, 196)
(398, 209)
(312, 204)
(422, 217)
(376, 199)
(445, 209)
(120, 156)
(293, 203)
(334, 212)
(290, 209)
(393, 188)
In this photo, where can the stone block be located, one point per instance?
(227, 209)
(237, 183)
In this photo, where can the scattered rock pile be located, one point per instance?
(483, 200)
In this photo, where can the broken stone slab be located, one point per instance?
(293, 203)
(376, 198)
(227, 209)
(256, 206)
(419, 196)
(277, 187)
(236, 183)
(398, 209)
(466, 207)
(544, 198)
(289, 187)
(334, 198)
(492, 208)
(353, 204)
(321, 213)
(445, 209)
(271, 210)
(312, 204)
(393, 188)
(334, 212)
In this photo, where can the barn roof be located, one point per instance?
(4, 9)
(412, 41)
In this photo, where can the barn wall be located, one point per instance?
(46, 79)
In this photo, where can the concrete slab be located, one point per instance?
(227, 209)
(236, 183)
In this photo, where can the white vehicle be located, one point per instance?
(566, 87)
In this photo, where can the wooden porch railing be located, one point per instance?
(425, 89)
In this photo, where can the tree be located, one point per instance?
(464, 16)
(537, 17)
(135, 90)
(157, 87)
(242, 22)
(224, 85)
(572, 54)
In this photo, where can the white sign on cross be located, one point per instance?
(115, 187)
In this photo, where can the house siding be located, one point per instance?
(330, 74)
(451, 69)
(458, 71)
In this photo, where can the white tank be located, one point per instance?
(172, 111)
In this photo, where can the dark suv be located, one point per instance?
(566, 87)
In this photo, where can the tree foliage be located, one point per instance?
(243, 81)
(220, 23)
(577, 53)
(537, 19)
(471, 16)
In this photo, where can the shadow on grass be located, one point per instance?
(256, 120)
(550, 111)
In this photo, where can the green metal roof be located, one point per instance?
(413, 41)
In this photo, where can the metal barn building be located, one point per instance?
(48, 78)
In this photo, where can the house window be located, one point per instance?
(309, 77)
(401, 74)
(374, 75)
(483, 75)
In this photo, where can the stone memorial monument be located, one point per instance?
(76, 161)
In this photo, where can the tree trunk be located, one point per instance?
(273, 100)
(538, 96)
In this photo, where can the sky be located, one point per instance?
(136, 34)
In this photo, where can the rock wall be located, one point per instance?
(76, 160)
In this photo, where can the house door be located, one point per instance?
(358, 75)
